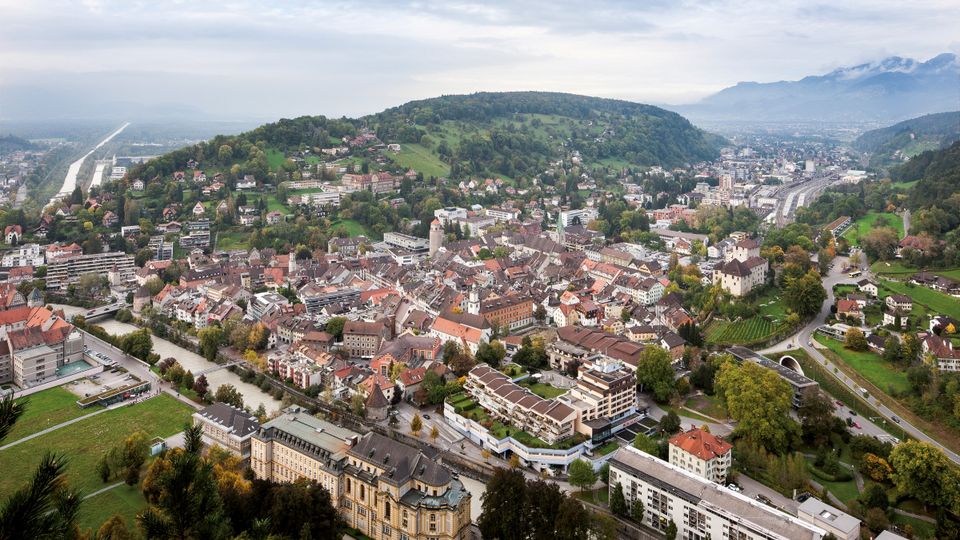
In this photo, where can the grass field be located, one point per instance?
(897, 268)
(275, 158)
(46, 409)
(684, 413)
(708, 405)
(937, 302)
(125, 500)
(351, 227)
(86, 441)
(871, 365)
(420, 159)
(231, 240)
(863, 225)
(544, 390)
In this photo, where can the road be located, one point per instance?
(70, 182)
(906, 221)
(804, 340)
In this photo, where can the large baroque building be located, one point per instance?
(744, 270)
(381, 487)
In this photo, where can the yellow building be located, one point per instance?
(385, 489)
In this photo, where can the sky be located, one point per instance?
(240, 59)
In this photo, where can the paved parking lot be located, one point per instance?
(95, 384)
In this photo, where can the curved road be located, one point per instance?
(804, 339)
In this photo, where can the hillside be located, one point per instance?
(887, 91)
(12, 143)
(937, 173)
(520, 133)
(902, 141)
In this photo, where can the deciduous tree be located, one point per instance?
(759, 400)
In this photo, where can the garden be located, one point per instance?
(753, 321)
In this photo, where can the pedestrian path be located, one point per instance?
(53, 428)
(102, 490)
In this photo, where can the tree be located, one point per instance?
(636, 510)
(10, 411)
(760, 401)
(491, 353)
(875, 496)
(816, 419)
(670, 423)
(416, 424)
(645, 443)
(201, 386)
(924, 472)
(910, 348)
(45, 508)
(880, 243)
(671, 532)
(211, 338)
(540, 313)
(581, 474)
(227, 393)
(514, 461)
(618, 504)
(434, 432)
(137, 343)
(805, 294)
(358, 406)
(183, 499)
(187, 380)
(334, 327)
(855, 340)
(450, 350)
(503, 507)
(891, 349)
(114, 528)
(655, 373)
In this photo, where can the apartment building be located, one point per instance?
(702, 453)
(605, 394)
(514, 311)
(835, 521)
(362, 339)
(64, 271)
(228, 427)
(34, 344)
(700, 509)
(383, 488)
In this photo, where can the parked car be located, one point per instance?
(853, 412)
(764, 499)
(856, 425)
(895, 418)
(734, 487)
(426, 416)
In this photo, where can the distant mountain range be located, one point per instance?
(891, 90)
(902, 141)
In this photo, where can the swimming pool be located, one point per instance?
(72, 367)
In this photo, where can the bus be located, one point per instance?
(854, 274)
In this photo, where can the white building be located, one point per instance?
(700, 509)
(701, 453)
(25, 255)
(842, 525)
(450, 214)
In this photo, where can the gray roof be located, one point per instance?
(401, 462)
(710, 496)
(828, 515)
(234, 420)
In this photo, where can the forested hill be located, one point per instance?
(519, 133)
(899, 142)
(10, 143)
(937, 173)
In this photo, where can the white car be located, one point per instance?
(734, 487)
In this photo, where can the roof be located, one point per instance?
(401, 462)
(824, 513)
(711, 496)
(701, 444)
(377, 400)
(234, 420)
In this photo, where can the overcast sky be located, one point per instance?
(248, 59)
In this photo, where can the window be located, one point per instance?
(386, 510)
(363, 492)
(386, 530)
(361, 510)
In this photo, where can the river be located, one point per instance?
(252, 394)
(70, 182)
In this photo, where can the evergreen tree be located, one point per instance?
(618, 504)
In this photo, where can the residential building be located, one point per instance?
(605, 394)
(64, 271)
(835, 521)
(228, 427)
(34, 344)
(381, 487)
(362, 339)
(701, 453)
(513, 311)
(699, 508)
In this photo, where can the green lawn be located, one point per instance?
(938, 302)
(351, 227)
(86, 441)
(868, 222)
(845, 491)
(273, 203)
(46, 409)
(871, 365)
(420, 159)
(921, 529)
(232, 240)
(275, 158)
(708, 405)
(125, 500)
(544, 390)
(599, 496)
(688, 414)
(881, 268)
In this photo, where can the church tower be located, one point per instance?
(473, 304)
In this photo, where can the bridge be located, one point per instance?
(218, 367)
(101, 311)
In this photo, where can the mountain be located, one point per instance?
(887, 91)
(521, 133)
(937, 173)
(902, 141)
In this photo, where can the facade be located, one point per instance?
(436, 237)
(701, 453)
(740, 277)
(362, 339)
(64, 271)
(228, 427)
(514, 311)
(699, 508)
(605, 394)
(383, 488)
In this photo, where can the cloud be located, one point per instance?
(263, 59)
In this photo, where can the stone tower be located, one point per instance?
(436, 237)
(473, 303)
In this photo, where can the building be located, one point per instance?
(405, 241)
(450, 214)
(64, 271)
(381, 487)
(834, 521)
(436, 236)
(228, 427)
(801, 385)
(605, 395)
(35, 344)
(740, 277)
(513, 311)
(839, 226)
(548, 419)
(700, 509)
(362, 339)
(701, 453)
(24, 255)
